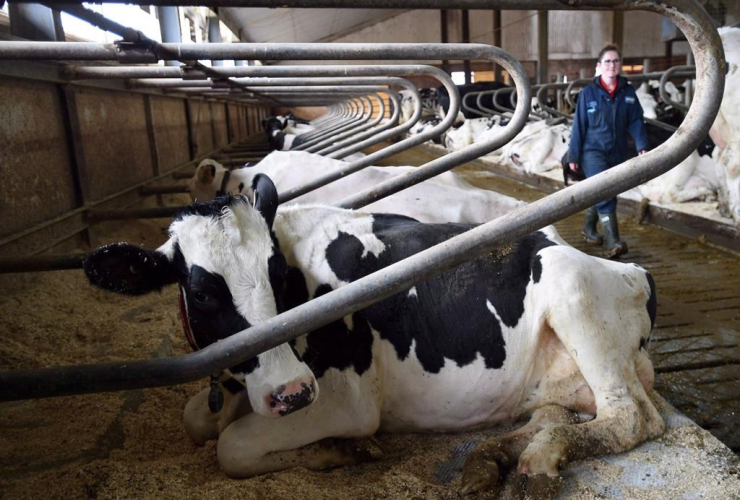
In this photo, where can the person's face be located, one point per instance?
(610, 64)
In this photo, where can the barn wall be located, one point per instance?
(114, 145)
(68, 146)
(220, 128)
(201, 126)
(171, 131)
(34, 157)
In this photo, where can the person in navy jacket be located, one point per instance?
(607, 109)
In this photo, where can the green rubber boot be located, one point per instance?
(614, 246)
(589, 231)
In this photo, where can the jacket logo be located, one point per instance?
(629, 100)
(592, 105)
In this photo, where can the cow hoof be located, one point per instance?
(484, 468)
(478, 475)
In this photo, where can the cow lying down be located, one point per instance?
(446, 197)
(535, 328)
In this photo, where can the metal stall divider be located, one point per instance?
(686, 14)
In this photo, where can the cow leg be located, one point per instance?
(203, 425)
(490, 460)
(255, 445)
(609, 302)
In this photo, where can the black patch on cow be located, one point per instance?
(212, 313)
(265, 198)
(232, 385)
(241, 187)
(129, 269)
(448, 317)
(295, 291)
(652, 303)
(276, 139)
(336, 346)
(277, 269)
(298, 141)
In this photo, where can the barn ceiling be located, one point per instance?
(299, 25)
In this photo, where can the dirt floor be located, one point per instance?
(132, 444)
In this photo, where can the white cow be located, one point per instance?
(537, 148)
(693, 179)
(446, 197)
(725, 131)
(533, 328)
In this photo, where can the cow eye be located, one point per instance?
(203, 299)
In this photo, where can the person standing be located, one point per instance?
(607, 110)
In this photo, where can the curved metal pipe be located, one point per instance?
(670, 73)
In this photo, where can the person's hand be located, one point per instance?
(640, 153)
(573, 167)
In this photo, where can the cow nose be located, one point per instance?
(290, 397)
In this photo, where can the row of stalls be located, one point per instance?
(99, 140)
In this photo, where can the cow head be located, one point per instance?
(207, 180)
(224, 258)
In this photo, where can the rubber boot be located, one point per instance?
(614, 247)
(589, 231)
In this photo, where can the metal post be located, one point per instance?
(497, 76)
(445, 38)
(689, 87)
(542, 47)
(466, 39)
(214, 36)
(169, 27)
(618, 28)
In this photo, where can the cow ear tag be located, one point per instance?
(215, 396)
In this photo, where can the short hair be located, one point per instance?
(609, 47)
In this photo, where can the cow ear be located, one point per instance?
(128, 269)
(205, 174)
(265, 197)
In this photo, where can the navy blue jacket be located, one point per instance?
(600, 123)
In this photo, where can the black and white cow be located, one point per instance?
(532, 328)
(281, 135)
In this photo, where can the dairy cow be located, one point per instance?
(726, 130)
(446, 197)
(534, 327)
(283, 136)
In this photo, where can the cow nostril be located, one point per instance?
(273, 404)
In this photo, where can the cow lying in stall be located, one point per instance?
(535, 328)
(283, 131)
(446, 197)
(538, 148)
(725, 131)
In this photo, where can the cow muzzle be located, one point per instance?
(289, 398)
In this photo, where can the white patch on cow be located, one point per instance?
(647, 101)
(412, 292)
(725, 131)
(493, 311)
